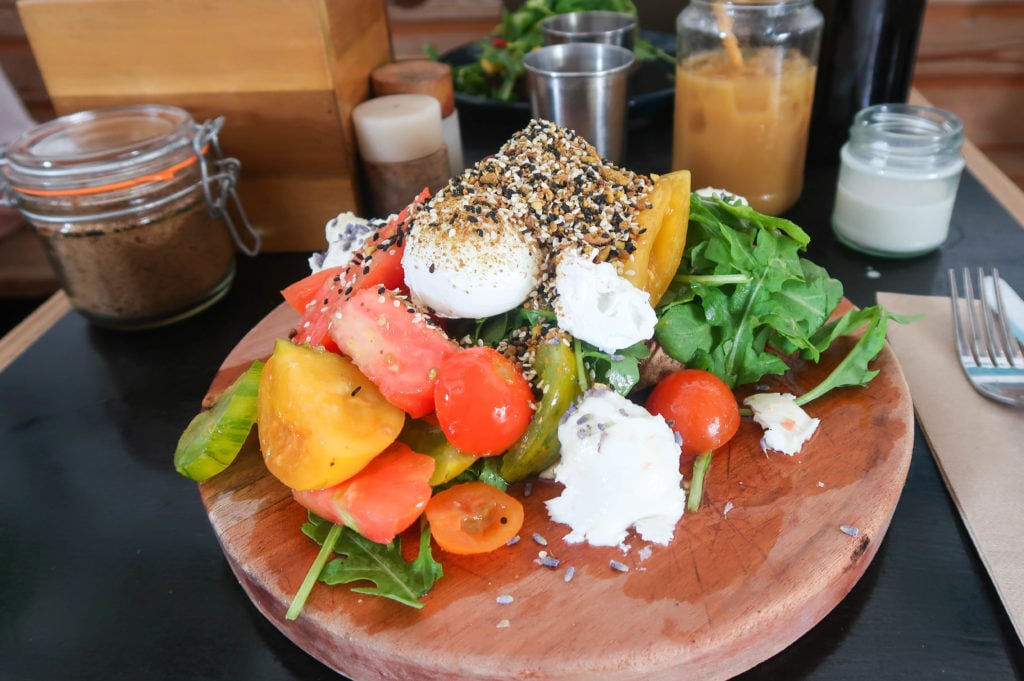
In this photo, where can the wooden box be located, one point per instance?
(284, 74)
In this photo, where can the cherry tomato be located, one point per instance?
(699, 406)
(482, 401)
(473, 517)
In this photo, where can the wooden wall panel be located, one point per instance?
(971, 62)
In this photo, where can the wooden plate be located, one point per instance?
(757, 567)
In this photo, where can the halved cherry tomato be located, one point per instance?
(378, 263)
(699, 406)
(473, 517)
(379, 501)
(395, 345)
(482, 401)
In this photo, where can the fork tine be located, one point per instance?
(1002, 381)
(962, 344)
(978, 341)
(993, 336)
(1003, 334)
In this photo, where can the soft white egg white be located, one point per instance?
(469, 269)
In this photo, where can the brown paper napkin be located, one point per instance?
(978, 444)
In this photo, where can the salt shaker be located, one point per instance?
(898, 180)
(402, 147)
(426, 77)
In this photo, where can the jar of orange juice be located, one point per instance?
(745, 77)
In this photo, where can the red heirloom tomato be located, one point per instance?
(482, 401)
(381, 500)
(699, 406)
(473, 517)
(398, 348)
(378, 263)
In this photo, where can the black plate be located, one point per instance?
(651, 89)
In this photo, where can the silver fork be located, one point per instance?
(989, 354)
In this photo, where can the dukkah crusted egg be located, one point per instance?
(485, 243)
(474, 267)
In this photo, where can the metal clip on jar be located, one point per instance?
(898, 180)
(131, 206)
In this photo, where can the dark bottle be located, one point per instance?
(867, 57)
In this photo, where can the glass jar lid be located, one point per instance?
(101, 149)
(907, 136)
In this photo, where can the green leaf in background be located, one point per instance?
(498, 71)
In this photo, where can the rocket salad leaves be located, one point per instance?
(363, 560)
(743, 298)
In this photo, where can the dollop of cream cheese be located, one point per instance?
(620, 469)
(346, 233)
(598, 306)
(786, 425)
(723, 194)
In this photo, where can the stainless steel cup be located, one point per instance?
(583, 87)
(609, 28)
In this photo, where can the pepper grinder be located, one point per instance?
(426, 77)
(402, 149)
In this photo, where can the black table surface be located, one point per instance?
(109, 568)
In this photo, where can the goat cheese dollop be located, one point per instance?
(723, 194)
(473, 267)
(786, 425)
(346, 233)
(620, 469)
(598, 306)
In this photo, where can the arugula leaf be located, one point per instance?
(743, 292)
(492, 330)
(382, 564)
(485, 469)
(744, 297)
(619, 371)
(853, 369)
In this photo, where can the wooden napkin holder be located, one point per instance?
(285, 75)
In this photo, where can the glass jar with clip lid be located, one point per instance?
(133, 205)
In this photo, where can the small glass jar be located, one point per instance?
(745, 78)
(129, 205)
(898, 180)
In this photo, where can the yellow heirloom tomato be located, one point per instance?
(660, 248)
(320, 419)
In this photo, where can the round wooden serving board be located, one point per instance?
(761, 563)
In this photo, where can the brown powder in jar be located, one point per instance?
(128, 274)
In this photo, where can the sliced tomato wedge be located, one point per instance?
(473, 517)
(394, 344)
(303, 292)
(380, 501)
(378, 263)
